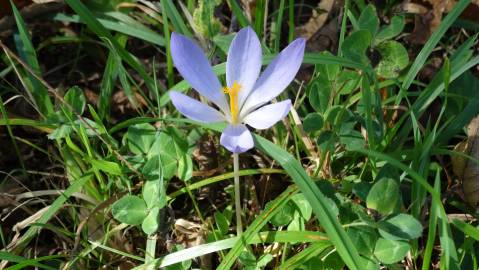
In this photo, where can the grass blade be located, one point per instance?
(431, 235)
(315, 197)
(259, 238)
(423, 55)
(312, 251)
(255, 227)
(238, 12)
(126, 26)
(27, 52)
(95, 26)
(52, 210)
(175, 18)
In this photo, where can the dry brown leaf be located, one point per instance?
(316, 21)
(430, 13)
(466, 169)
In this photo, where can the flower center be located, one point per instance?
(233, 94)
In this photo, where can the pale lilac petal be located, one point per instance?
(194, 109)
(244, 62)
(237, 138)
(193, 65)
(268, 115)
(277, 76)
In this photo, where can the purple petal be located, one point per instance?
(193, 65)
(277, 76)
(194, 109)
(237, 138)
(267, 116)
(244, 62)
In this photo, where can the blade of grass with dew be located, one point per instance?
(27, 52)
(427, 49)
(87, 16)
(316, 198)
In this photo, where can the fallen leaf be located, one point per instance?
(429, 15)
(466, 169)
(317, 20)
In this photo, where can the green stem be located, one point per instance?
(239, 224)
(150, 250)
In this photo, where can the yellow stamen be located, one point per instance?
(233, 94)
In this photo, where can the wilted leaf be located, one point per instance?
(467, 169)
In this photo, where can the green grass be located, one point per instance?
(86, 114)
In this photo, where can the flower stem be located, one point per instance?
(150, 251)
(239, 224)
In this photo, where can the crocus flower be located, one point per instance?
(248, 92)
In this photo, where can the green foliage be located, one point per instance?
(390, 251)
(130, 210)
(356, 186)
(400, 227)
(370, 44)
(383, 196)
(204, 18)
(250, 262)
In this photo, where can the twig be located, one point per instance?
(239, 224)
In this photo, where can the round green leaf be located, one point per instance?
(313, 122)
(363, 238)
(400, 227)
(303, 205)
(368, 20)
(284, 216)
(151, 222)
(393, 29)
(129, 210)
(355, 45)
(140, 137)
(383, 196)
(390, 251)
(394, 58)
